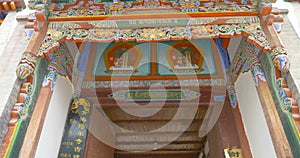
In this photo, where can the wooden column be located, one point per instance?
(246, 151)
(278, 136)
(228, 133)
(36, 123)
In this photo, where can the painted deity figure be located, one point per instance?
(121, 65)
(185, 61)
(122, 61)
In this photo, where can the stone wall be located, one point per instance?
(12, 44)
(291, 42)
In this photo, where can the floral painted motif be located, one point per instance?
(61, 61)
(246, 59)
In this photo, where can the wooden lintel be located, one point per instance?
(154, 16)
(278, 136)
(36, 123)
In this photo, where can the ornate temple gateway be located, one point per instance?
(153, 78)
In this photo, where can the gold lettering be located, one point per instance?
(77, 149)
(83, 113)
(70, 132)
(81, 126)
(83, 119)
(78, 141)
(76, 156)
(72, 121)
(63, 155)
(80, 134)
(75, 111)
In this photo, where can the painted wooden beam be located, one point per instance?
(278, 136)
(28, 61)
(271, 33)
(36, 123)
(36, 40)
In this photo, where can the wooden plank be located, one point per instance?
(36, 123)
(278, 136)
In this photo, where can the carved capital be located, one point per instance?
(26, 66)
(280, 59)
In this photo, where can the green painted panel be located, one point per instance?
(155, 95)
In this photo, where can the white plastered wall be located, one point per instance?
(253, 118)
(52, 132)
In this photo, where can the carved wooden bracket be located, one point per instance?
(26, 65)
(280, 59)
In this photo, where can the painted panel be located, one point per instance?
(155, 95)
(185, 57)
(122, 59)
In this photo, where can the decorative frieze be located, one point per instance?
(58, 32)
(117, 7)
